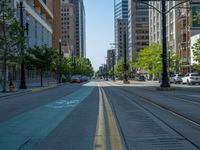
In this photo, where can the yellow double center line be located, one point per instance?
(101, 135)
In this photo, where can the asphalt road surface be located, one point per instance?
(101, 115)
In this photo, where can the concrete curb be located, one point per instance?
(15, 93)
(30, 90)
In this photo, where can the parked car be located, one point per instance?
(191, 78)
(84, 78)
(177, 78)
(75, 79)
(140, 78)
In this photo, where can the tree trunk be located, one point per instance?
(41, 78)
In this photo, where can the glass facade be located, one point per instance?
(120, 15)
(80, 28)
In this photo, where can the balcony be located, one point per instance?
(43, 9)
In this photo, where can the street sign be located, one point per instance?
(195, 16)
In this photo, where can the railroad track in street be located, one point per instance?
(192, 99)
(192, 122)
(165, 109)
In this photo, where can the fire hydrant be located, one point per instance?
(12, 87)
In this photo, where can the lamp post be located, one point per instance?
(125, 67)
(165, 77)
(60, 54)
(74, 63)
(113, 65)
(23, 78)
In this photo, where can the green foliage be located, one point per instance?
(79, 66)
(196, 53)
(149, 59)
(84, 67)
(10, 36)
(119, 68)
(41, 59)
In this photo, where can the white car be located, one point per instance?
(177, 78)
(191, 78)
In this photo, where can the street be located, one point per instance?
(102, 115)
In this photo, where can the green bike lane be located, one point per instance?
(33, 126)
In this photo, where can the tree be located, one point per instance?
(196, 53)
(84, 67)
(119, 68)
(41, 59)
(10, 37)
(149, 59)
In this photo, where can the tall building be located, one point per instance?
(56, 23)
(40, 18)
(80, 49)
(155, 25)
(68, 27)
(110, 58)
(138, 28)
(121, 27)
(183, 30)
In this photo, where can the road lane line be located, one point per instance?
(100, 137)
(115, 137)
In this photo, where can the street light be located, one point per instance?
(165, 77)
(23, 78)
(113, 65)
(74, 62)
(125, 61)
(60, 54)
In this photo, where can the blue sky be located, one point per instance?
(99, 29)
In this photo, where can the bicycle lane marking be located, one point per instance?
(33, 126)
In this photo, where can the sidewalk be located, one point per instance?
(33, 88)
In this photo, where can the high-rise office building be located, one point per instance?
(110, 58)
(121, 27)
(80, 28)
(54, 7)
(138, 28)
(39, 17)
(155, 25)
(67, 27)
(183, 23)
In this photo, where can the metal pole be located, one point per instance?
(74, 64)
(169, 62)
(23, 79)
(113, 64)
(125, 59)
(165, 78)
(106, 72)
(60, 74)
